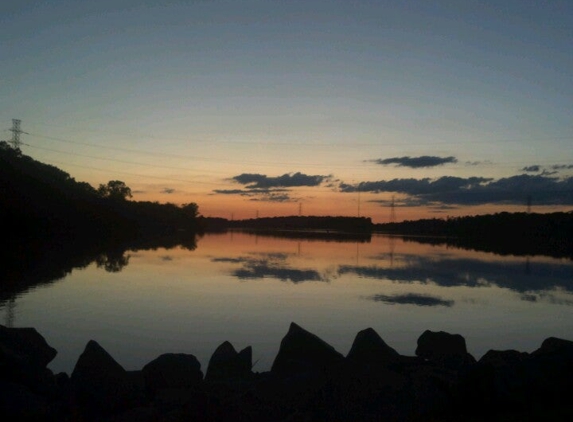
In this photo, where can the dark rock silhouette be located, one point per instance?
(100, 385)
(309, 381)
(301, 351)
(172, 370)
(26, 345)
(444, 348)
(369, 349)
(226, 364)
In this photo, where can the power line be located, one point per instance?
(307, 142)
(155, 153)
(363, 164)
(117, 160)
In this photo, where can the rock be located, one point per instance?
(301, 351)
(26, 344)
(503, 358)
(172, 370)
(99, 384)
(24, 354)
(554, 346)
(444, 348)
(227, 364)
(369, 349)
(549, 371)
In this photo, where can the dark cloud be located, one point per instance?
(232, 192)
(477, 163)
(274, 197)
(543, 190)
(168, 190)
(259, 187)
(412, 299)
(263, 195)
(261, 181)
(416, 162)
(416, 186)
(547, 171)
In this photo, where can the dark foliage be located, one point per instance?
(502, 233)
(42, 200)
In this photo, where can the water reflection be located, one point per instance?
(112, 261)
(434, 266)
(446, 271)
(247, 289)
(271, 265)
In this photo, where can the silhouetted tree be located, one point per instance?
(115, 189)
(191, 209)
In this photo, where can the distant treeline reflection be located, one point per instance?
(503, 233)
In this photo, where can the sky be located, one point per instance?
(392, 110)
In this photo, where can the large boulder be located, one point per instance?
(172, 370)
(26, 345)
(24, 354)
(100, 385)
(556, 348)
(302, 351)
(369, 349)
(228, 364)
(549, 370)
(444, 348)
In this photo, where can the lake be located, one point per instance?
(247, 288)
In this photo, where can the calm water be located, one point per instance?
(247, 289)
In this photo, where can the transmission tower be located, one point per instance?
(16, 131)
(392, 211)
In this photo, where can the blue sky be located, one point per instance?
(181, 99)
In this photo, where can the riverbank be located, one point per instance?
(309, 380)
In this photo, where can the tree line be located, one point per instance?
(39, 199)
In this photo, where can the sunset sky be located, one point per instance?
(317, 107)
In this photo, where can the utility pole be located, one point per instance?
(392, 211)
(16, 131)
(528, 204)
(299, 209)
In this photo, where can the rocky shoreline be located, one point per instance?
(309, 381)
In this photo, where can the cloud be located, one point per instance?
(547, 171)
(416, 186)
(261, 181)
(543, 190)
(263, 195)
(416, 162)
(477, 163)
(260, 187)
(412, 299)
(274, 197)
(168, 190)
